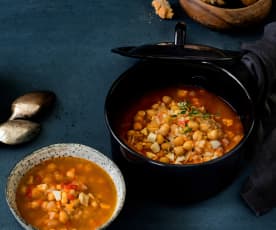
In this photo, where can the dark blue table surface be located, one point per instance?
(64, 46)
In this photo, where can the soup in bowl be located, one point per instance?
(65, 186)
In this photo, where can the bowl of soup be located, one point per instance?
(179, 128)
(65, 186)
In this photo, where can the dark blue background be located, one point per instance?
(64, 46)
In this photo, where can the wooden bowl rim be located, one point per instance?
(241, 9)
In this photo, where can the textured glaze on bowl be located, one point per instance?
(64, 150)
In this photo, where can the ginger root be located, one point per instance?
(163, 9)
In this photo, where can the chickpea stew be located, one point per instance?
(186, 125)
(67, 193)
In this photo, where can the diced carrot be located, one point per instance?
(70, 186)
(70, 196)
(181, 122)
(29, 191)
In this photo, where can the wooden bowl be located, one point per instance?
(225, 18)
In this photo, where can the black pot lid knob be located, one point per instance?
(178, 50)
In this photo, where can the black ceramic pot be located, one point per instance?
(182, 182)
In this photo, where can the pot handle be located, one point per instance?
(180, 34)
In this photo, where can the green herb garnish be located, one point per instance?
(194, 111)
(187, 129)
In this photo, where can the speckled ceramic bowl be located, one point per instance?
(61, 150)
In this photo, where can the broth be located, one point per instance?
(66, 193)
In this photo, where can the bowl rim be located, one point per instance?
(120, 188)
(240, 9)
(160, 164)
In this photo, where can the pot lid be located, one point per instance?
(178, 50)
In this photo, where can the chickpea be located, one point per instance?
(204, 126)
(182, 93)
(51, 205)
(237, 138)
(178, 141)
(50, 196)
(218, 152)
(44, 205)
(164, 160)
(193, 125)
(225, 142)
(164, 129)
(141, 113)
(155, 147)
(137, 126)
(36, 192)
(150, 113)
(47, 180)
(35, 204)
(174, 129)
(155, 106)
(51, 167)
(166, 99)
(71, 173)
(188, 145)
(58, 186)
(23, 189)
(58, 176)
(94, 204)
(166, 146)
(52, 223)
(147, 145)
(178, 150)
(230, 134)
(198, 150)
(138, 118)
(227, 122)
(166, 118)
(151, 155)
(129, 133)
(64, 198)
(196, 158)
(160, 139)
(198, 135)
(160, 154)
(52, 215)
(200, 144)
(139, 146)
(63, 217)
(152, 126)
(174, 107)
(213, 134)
